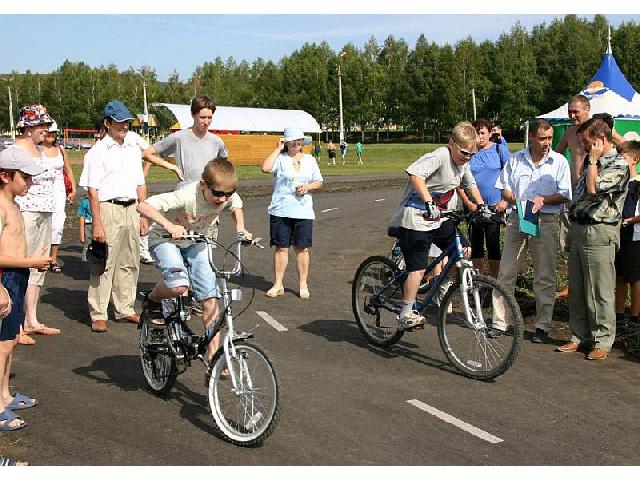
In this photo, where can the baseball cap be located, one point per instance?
(116, 110)
(295, 133)
(15, 158)
(33, 115)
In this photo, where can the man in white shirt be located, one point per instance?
(541, 176)
(115, 182)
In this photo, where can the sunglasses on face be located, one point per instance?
(220, 193)
(464, 153)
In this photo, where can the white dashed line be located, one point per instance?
(272, 321)
(327, 210)
(454, 421)
(379, 200)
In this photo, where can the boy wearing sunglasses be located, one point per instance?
(185, 264)
(431, 187)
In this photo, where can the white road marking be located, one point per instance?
(327, 210)
(379, 200)
(455, 421)
(272, 321)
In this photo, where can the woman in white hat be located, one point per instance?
(291, 214)
(60, 163)
(37, 208)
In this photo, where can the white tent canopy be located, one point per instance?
(248, 119)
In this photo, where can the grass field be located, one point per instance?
(378, 159)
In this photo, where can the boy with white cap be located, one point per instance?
(16, 169)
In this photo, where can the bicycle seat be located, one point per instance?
(393, 232)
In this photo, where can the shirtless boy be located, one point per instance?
(16, 169)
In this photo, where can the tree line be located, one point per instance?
(420, 90)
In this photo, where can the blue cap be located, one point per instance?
(116, 110)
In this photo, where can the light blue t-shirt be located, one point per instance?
(284, 201)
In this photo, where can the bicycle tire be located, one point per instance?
(378, 325)
(473, 351)
(249, 415)
(159, 369)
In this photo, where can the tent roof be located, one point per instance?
(248, 119)
(608, 92)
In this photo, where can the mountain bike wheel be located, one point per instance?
(247, 414)
(474, 349)
(158, 366)
(376, 299)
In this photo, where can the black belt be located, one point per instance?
(589, 221)
(122, 203)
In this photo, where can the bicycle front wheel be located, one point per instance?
(376, 299)
(158, 364)
(480, 331)
(248, 413)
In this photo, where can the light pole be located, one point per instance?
(342, 54)
(11, 125)
(144, 71)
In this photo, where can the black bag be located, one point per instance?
(97, 253)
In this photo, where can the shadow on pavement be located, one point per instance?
(125, 373)
(345, 331)
(72, 303)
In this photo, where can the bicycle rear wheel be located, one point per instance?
(248, 414)
(158, 364)
(376, 299)
(469, 343)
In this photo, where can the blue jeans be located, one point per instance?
(171, 259)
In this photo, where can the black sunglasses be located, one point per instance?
(220, 193)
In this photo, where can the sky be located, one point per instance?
(168, 42)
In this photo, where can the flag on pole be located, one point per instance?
(343, 54)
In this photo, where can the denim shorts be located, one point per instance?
(197, 273)
(15, 281)
(287, 232)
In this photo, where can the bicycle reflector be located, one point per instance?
(236, 294)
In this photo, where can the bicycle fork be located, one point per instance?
(473, 316)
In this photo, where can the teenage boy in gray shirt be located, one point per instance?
(433, 180)
(193, 147)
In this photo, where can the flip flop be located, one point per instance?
(43, 330)
(20, 402)
(24, 339)
(6, 417)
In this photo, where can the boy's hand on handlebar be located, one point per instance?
(431, 212)
(244, 235)
(501, 206)
(176, 231)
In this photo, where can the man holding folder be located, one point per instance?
(536, 181)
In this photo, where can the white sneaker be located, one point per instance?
(412, 319)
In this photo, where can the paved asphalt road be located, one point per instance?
(345, 403)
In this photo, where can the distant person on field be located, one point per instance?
(343, 150)
(541, 176)
(331, 151)
(595, 214)
(359, 151)
(486, 166)
(17, 168)
(317, 151)
(628, 257)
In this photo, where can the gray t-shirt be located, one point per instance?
(442, 176)
(190, 152)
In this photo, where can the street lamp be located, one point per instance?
(144, 71)
(342, 55)
(11, 125)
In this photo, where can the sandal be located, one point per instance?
(304, 293)
(6, 417)
(274, 292)
(55, 268)
(20, 402)
(42, 330)
(24, 339)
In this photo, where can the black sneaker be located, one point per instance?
(540, 336)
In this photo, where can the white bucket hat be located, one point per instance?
(53, 127)
(295, 133)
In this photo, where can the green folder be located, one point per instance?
(526, 226)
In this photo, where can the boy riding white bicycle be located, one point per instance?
(184, 263)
